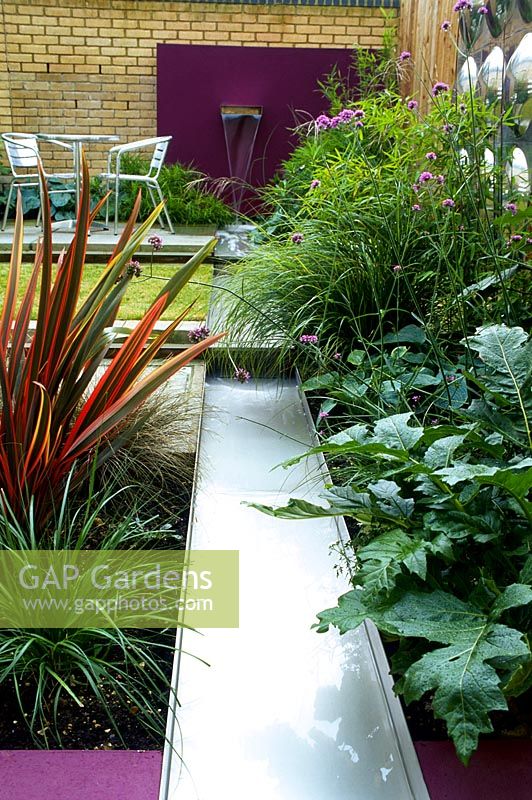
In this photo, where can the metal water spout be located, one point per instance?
(241, 124)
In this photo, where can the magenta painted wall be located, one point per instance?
(194, 80)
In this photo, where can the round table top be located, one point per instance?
(79, 137)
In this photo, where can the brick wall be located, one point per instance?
(90, 65)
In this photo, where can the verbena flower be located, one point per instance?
(297, 238)
(415, 399)
(315, 183)
(483, 10)
(337, 356)
(425, 176)
(439, 87)
(512, 208)
(440, 179)
(358, 113)
(412, 105)
(241, 375)
(397, 268)
(431, 156)
(405, 55)
(335, 121)
(308, 338)
(463, 5)
(198, 334)
(448, 128)
(446, 25)
(448, 202)
(155, 241)
(415, 187)
(323, 121)
(323, 414)
(359, 123)
(516, 237)
(133, 268)
(416, 207)
(346, 114)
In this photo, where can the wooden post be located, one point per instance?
(433, 52)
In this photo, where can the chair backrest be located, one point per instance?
(22, 151)
(159, 154)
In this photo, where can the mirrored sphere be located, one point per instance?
(525, 7)
(519, 74)
(491, 76)
(517, 170)
(467, 77)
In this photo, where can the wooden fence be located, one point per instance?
(433, 52)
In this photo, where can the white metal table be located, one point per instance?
(78, 140)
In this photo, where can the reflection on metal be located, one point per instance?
(518, 171)
(241, 124)
(497, 15)
(491, 76)
(467, 77)
(525, 8)
(520, 82)
(281, 713)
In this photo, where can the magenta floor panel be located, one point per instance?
(79, 775)
(500, 770)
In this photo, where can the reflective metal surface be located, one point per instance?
(491, 76)
(518, 171)
(467, 77)
(520, 82)
(282, 713)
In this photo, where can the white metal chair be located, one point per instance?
(23, 155)
(150, 179)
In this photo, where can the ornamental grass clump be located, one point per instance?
(63, 407)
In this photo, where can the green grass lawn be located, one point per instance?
(141, 290)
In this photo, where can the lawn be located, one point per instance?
(142, 290)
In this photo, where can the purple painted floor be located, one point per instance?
(79, 775)
(500, 770)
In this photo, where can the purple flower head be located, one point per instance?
(529, 240)
(323, 414)
(516, 237)
(134, 269)
(297, 238)
(425, 176)
(450, 378)
(440, 179)
(412, 105)
(439, 87)
(337, 356)
(198, 334)
(512, 208)
(397, 268)
(406, 55)
(335, 121)
(358, 113)
(448, 202)
(415, 187)
(241, 375)
(448, 128)
(346, 114)
(155, 241)
(446, 25)
(483, 10)
(308, 338)
(463, 5)
(315, 183)
(415, 399)
(323, 122)
(462, 108)
(431, 156)
(416, 207)
(359, 123)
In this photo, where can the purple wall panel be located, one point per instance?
(193, 81)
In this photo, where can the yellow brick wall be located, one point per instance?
(90, 65)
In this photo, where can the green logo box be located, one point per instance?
(119, 589)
